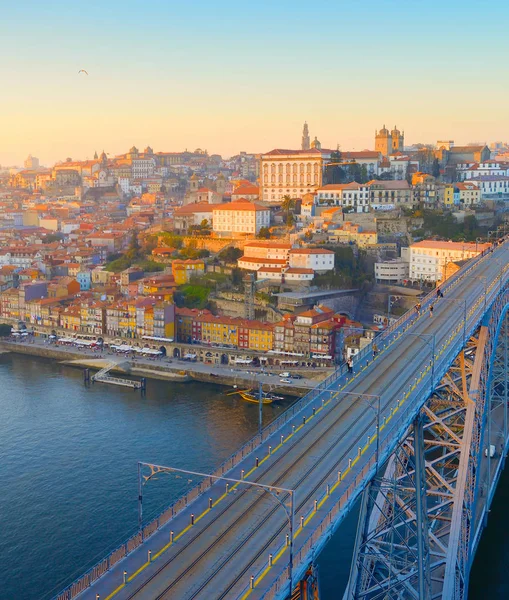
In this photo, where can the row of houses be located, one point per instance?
(316, 334)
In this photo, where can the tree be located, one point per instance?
(435, 168)
(133, 252)
(264, 233)
(236, 276)
(287, 204)
(335, 174)
(290, 220)
(230, 255)
(5, 330)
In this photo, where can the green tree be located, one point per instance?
(290, 219)
(230, 255)
(435, 168)
(133, 251)
(335, 173)
(264, 233)
(236, 276)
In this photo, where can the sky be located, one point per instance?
(230, 76)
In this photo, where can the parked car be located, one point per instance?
(285, 374)
(296, 376)
(285, 380)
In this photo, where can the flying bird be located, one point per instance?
(82, 71)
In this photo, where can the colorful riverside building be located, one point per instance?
(202, 327)
(310, 335)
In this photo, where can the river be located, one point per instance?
(69, 472)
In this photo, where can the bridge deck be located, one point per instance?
(228, 543)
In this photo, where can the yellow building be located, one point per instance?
(449, 194)
(183, 270)
(260, 336)
(127, 320)
(352, 232)
(219, 330)
(70, 318)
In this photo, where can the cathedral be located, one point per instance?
(389, 142)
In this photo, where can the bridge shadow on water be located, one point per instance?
(489, 576)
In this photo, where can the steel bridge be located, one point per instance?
(417, 435)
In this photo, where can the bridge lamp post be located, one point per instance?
(273, 490)
(390, 305)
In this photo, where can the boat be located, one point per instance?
(250, 397)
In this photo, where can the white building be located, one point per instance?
(355, 195)
(491, 186)
(487, 168)
(318, 259)
(285, 274)
(241, 217)
(468, 192)
(143, 167)
(270, 255)
(291, 173)
(192, 214)
(124, 184)
(429, 258)
(391, 271)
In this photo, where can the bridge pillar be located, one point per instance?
(391, 555)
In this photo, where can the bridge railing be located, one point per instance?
(391, 434)
(391, 333)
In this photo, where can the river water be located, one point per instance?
(68, 472)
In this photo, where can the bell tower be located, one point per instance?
(306, 145)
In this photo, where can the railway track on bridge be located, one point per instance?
(344, 409)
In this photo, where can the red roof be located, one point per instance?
(310, 251)
(241, 204)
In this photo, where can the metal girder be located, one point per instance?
(420, 522)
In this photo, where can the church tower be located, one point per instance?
(383, 142)
(220, 184)
(194, 183)
(305, 137)
(398, 140)
(96, 155)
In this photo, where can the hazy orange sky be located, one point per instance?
(225, 77)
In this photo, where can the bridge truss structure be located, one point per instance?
(421, 519)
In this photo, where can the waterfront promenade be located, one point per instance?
(171, 369)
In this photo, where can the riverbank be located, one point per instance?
(176, 371)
